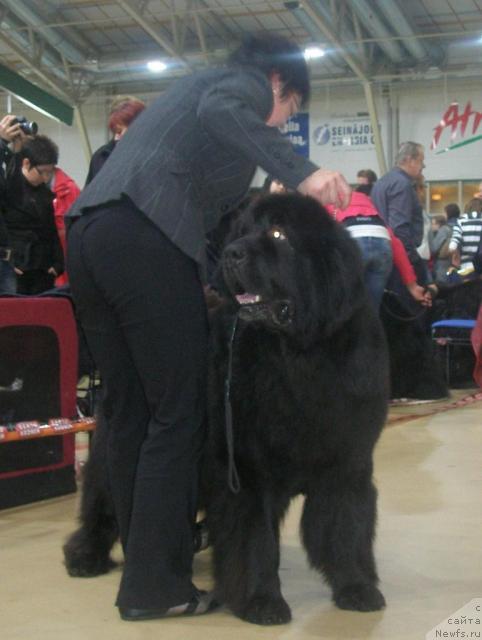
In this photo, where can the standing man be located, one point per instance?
(395, 198)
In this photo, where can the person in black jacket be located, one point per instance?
(123, 110)
(9, 131)
(28, 215)
(136, 261)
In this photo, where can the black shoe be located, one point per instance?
(201, 602)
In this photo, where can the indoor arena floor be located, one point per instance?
(428, 471)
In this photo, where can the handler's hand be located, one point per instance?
(328, 187)
(9, 131)
(420, 294)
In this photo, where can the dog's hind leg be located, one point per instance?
(244, 531)
(87, 550)
(338, 527)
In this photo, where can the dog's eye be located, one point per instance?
(277, 233)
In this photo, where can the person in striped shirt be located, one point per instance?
(466, 236)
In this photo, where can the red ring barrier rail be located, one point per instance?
(456, 404)
(34, 429)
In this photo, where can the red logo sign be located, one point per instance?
(459, 123)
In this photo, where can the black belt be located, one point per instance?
(5, 254)
(353, 220)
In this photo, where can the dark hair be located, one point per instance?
(40, 150)
(370, 175)
(274, 54)
(123, 111)
(452, 210)
(473, 205)
(364, 188)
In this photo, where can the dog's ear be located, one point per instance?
(240, 223)
(334, 289)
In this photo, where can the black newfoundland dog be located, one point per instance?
(297, 399)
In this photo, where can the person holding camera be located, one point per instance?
(32, 253)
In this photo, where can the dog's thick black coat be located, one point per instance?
(308, 392)
(416, 364)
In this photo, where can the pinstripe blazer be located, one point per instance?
(191, 155)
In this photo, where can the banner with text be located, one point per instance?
(297, 132)
(345, 134)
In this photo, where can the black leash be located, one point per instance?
(234, 483)
(406, 318)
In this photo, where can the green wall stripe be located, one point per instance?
(14, 83)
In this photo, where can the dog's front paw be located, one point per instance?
(83, 561)
(267, 610)
(88, 566)
(360, 597)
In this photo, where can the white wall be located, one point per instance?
(333, 114)
(417, 109)
(420, 107)
(72, 157)
(421, 111)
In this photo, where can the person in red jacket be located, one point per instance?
(66, 192)
(379, 246)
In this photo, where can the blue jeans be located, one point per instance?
(8, 278)
(377, 261)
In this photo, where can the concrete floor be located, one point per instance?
(429, 475)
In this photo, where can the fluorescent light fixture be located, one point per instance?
(311, 53)
(156, 66)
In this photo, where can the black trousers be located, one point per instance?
(140, 302)
(34, 282)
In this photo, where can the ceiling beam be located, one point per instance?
(215, 22)
(200, 35)
(328, 34)
(33, 64)
(129, 8)
(367, 86)
(374, 24)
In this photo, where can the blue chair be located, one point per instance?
(449, 334)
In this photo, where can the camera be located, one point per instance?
(29, 128)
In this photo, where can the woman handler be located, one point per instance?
(136, 257)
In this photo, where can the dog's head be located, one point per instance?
(292, 268)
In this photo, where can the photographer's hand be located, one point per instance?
(11, 132)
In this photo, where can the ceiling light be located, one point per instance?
(156, 66)
(312, 53)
